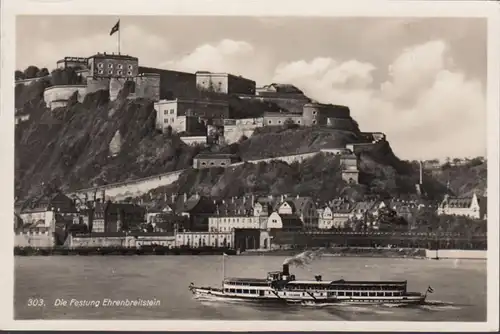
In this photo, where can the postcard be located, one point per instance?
(287, 165)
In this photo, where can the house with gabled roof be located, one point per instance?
(471, 206)
(302, 207)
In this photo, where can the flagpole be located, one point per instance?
(119, 37)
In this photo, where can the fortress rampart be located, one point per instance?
(132, 188)
(234, 129)
(293, 104)
(27, 82)
(141, 186)
(58, 96)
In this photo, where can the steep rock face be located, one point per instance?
(115, 144)
(69, 147)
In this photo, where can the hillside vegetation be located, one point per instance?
(68, 148)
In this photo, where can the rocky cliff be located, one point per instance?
(96, 142)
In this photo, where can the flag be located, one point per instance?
(115, 28)
(430, 290)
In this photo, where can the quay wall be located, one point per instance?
(34, 239)
(456, 254)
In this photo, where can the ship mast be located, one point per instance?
(223, 269)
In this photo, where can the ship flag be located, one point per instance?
(430, 290)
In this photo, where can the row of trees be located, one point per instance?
(31, 72)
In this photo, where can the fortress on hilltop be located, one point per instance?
(199, 106)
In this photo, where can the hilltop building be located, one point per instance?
(350, 171)
(80, 63)
(103, 65)
(224, 83)
(211, 160)
(279, 90)
(186, 115)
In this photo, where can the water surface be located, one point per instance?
(459, 287)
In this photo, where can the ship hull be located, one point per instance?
(218, 294)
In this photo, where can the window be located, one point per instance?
(226, 290)
(110, 72)
(129, 67)
(164, 112)
(120, 66)
(222, 163)
(279, 122)
(212, 163)
(314, 122)
(231, 290)
(203, 163)
(129, 73)
(314, 112)
(171, 111)
(110, 65)
(119, 72)
(253, 291)
(165, 120)
(298, 122)
(100, 71)
(341, 293)
(171, 120)
(238, 290)
(355, 294)
(269, 122)
(364, 294)
(100, 65)
(348, 294)
(245, 291)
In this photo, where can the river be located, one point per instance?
(459, 287)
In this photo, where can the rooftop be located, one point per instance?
(113, 56)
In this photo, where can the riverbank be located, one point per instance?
(86, 251)
(413, 253)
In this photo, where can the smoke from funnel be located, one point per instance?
(303, 258)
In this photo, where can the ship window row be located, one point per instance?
(246, 291)
(248, 284)
(345, 288)
(367, 294)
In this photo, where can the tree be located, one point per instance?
(19, 75)
(43, 72)
(168, 131)
(31, 72)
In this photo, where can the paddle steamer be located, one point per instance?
(281, 286)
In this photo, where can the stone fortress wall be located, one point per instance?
(58, 96)
(137, 187)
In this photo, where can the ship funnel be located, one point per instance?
(286, 270)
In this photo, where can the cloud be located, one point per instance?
(427, 108)
(236, 57)
(134, 41)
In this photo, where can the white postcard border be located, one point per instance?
(11, 8)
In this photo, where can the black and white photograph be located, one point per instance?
(238, 167)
